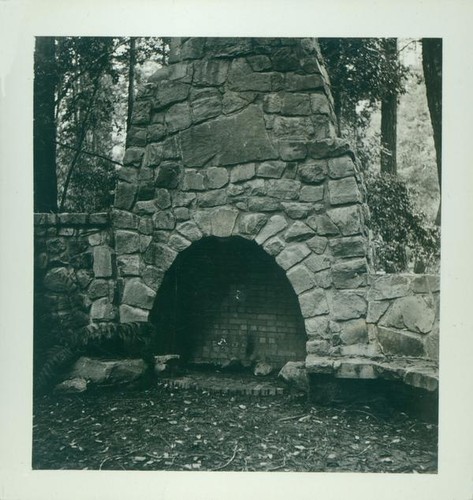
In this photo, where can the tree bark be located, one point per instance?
(131, 81)
(44, 126)
(432, 66)
(389, 120)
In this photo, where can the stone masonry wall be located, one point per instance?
(74, 273)
(236, 137)
(403, 314)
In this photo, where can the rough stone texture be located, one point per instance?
(347, 305)
(102, 310)
(71, 386)
(223, 222)
(294, 373)
(399, 343)
(343, 191)
(129, 314)
(292, 255)
(410, 313)
(275, 224)
(138, 294)
(313, 303)
(239, 138)
(97, 371)
(127, 242)
(350, 274)
(354, 332)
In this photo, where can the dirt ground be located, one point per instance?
(171, 428)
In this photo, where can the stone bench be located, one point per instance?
(415, 372)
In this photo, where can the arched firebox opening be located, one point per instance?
(225, 300)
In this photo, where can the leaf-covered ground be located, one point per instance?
(161, 428)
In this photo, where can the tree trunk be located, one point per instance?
(389, 120)
(44, 126)
(432, 66)
(131, 81)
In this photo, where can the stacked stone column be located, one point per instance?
(236, 138)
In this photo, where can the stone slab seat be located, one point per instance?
(419, 373)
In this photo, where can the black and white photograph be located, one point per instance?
(237, 263)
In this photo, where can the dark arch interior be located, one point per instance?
(225, 299)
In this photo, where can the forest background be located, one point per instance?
(85, 88)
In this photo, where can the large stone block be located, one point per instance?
(153, 277)
(137, 294)
(284, 189)
(189, 230)
(263, 204)
(168, 92)
(271, 169)
(178, 117)
(322, 225)
(350, 273)
(296, 105)
(410, 313)
(275, 225)
(167, 175)
(242, 78)
(292, 255)
(376, 309)
(301, 278)
(317, 263)
(388, 286)
(133, 156)
(240, 138)
(164, 220)
(274, 246)
(297, 210)
(347, 305)
(126, 241)
(129, 314)
(350, 246)
(99, 371)
(353, 332)
(291, 127)
(399, 343)
(251, 223)
(153, 155)
(313, 172)
(125, 194)
(212, 72)
(223, 222)
(193, 181)
(102, 310)
(320, 104)
(312, 193)
(296, 82)
(212, 198)
(344, 191)
(129, 264)
(317, 327)
(347, 219)
(235, 101)
(313, 303)
(217, 177)
(243, 172)
(298, 232)
(292, 149)
(206, 107)
(342, 166)
(102, 262)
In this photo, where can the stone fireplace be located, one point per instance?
(239, 216)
